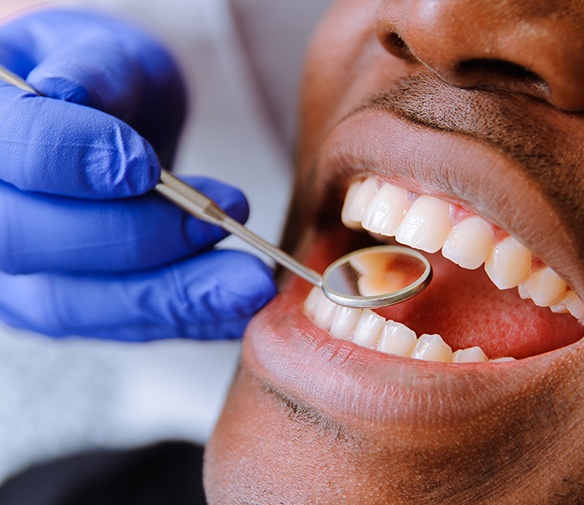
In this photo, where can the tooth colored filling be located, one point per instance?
(478, 315)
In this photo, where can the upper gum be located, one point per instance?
(458, 213)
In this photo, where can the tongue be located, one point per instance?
(466, 309)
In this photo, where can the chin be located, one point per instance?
(471, 392)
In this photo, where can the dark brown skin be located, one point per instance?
(478, 102)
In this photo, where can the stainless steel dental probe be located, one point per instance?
(368, 278)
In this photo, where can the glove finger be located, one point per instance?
(209, 297)
(49, 233)
(100, 62)
(56, 147)
(96, 73)
(113, 76)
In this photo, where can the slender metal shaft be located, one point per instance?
(204, 208)
(11, 78)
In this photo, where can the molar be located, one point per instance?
(469, 243)
(426, 224)
(432, 348)
(509, 264)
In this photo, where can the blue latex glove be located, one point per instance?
(82, 249)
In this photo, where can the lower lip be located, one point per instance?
(285, 350)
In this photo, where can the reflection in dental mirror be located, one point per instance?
(377, 277)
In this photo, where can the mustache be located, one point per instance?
(490, 116)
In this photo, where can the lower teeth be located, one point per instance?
(370, 330)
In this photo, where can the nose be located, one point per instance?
(535, 47)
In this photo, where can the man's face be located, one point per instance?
(456, 124)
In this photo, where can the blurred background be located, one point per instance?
(242, 62)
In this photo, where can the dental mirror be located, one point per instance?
(368, 278)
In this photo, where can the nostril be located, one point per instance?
(397, 46)
(500, 68)
(484, 72)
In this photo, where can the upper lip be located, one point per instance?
(505, 186)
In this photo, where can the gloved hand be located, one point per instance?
(84, 248)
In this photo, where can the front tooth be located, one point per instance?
(469, 243)
(311, 302)
(344, 322)
(509, 264)
(386, 210)
(324, 313)
(426, 225)
(503, 360)
(432, 348)
(470, 355)
(397, 338)
(356, 201)
(574, 305)
(545, 287)
(369, 326)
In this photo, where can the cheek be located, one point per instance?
(332, 56)
(346, 65)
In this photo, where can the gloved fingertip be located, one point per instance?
(261, 288)
(140, 169)
(72, 150)
(96, 72)
(235, 285)
(250, 287)
(59, 87)
(130, 168)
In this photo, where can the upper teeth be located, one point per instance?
(429, 224)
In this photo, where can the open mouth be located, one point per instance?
(349, 366)
(514, 307)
